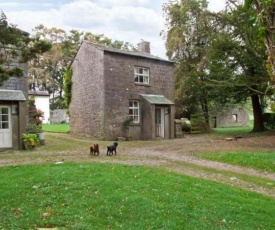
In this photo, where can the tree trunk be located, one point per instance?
(257, 113)
(204, 106)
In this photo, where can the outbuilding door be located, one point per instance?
(5, 127)
(159, 122)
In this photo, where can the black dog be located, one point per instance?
(111, 149)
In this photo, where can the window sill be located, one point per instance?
(142, 84)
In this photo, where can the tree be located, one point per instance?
(264, 14)
(68, 86)
(50, 70)
(46, 71)
(16, 46)
(251, 59)
(220, 62)
(239, 73)
(189, 26)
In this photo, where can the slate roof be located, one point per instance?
(126, 52)
(39, 93)
(12, 95)
(157, 99)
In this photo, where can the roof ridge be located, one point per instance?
(126, 52)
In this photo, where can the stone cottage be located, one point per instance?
(111, 86)
(13, 110)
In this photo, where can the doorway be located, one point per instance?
(5, 127)
(159, 122)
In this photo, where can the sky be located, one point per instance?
(123, 20)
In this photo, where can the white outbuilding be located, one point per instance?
(42, 102)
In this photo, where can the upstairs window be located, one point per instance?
(134, 110)
(141, 75)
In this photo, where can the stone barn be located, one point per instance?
(230, 118)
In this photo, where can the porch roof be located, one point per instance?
(12, 95)
(157, 99)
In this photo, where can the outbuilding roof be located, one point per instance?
(12, 95)
(38, 93)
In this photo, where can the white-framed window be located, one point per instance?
(134, 110)
(4, 118)
(142, 75)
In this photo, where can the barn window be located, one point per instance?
(235, 117)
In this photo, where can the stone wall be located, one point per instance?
(58, 116)
(120, 86)
(87, 102)
(17, 83)
(178, 128)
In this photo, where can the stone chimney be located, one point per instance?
(144, 47)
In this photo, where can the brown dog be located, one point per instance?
(94, 149)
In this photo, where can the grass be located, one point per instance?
(107, 196)
(234, 130)
(112, 196)
(257, 160)
(255, 181)
(239, 131)
(58, 128)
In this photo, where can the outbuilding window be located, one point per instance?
(142, 75)
(134, 110)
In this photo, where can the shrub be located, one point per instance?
(269, 120)
(186, 125)
(34, 128)
(128, 121)
(31, 139)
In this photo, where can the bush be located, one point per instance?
(186, 125)
(269, 120)
(31, 140)
(34, 128)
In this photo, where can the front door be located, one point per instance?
(5, 127)
(159, 122)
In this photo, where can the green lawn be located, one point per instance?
(246, 130)
(234, 130)
(59, 128)
(257, 160)
(112, 196)
(108, 196)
